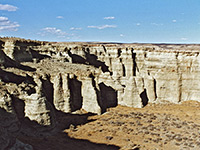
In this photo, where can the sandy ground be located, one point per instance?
(157, 126)
(154, 127)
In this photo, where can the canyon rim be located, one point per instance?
(46, 87)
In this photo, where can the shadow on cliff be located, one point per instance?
(57, 138)
(37, 55)
(10, 77)
(9, 127)
(23, 52)
(29, 127)
(93, 60)
(144, 97)
(76, 58)
(135, 68)
(90, 59)
(108, 97)
(75, 94)
(8, 62)
(76, 99)
(59, 119)
(54, 137)
(64, 120)
(18, 54)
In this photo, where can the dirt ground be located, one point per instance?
(156, 126)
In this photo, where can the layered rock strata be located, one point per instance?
(158, 71)
(47, 77)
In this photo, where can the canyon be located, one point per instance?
(45, 87)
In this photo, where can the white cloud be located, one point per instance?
(183, 38)
(58, 33)
(138, 24)
(53, 31)
(3, 18)
(7, 25)
(109, 18)
(103, 27)
(73, 28)
(8, 7)
(60, 17)
(174, 21)
(157, 24)
(121, 35)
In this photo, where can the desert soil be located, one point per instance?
(156, 126)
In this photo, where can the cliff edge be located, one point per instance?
(39, 80)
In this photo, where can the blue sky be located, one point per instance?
(143, 21)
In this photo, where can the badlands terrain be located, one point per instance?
(98, 96)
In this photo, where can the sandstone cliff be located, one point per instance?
(43, 77)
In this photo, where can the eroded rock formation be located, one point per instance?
(44, 77)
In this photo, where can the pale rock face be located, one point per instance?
(37, 108)
(19, 53)
(132, 94)
(150, 86)
(128, 62)
(9, 49)
(135, 74)
(61, 93)
(90, 96)
(168, 87)
(164, 75)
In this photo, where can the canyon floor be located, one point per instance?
(156, 126)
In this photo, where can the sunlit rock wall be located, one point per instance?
(135, 74)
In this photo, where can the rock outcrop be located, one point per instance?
(48, 77)
(157, 72)
(37, 108)
(9, 124)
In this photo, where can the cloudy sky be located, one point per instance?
(144, 21)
